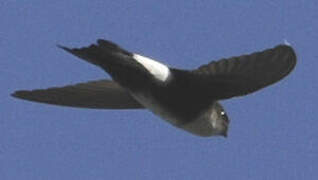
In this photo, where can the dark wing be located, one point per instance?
(241, 75)
(102, 94)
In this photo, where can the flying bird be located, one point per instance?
(188, 99)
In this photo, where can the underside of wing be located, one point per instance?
(241, 75)
(102, 94)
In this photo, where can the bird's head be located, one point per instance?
(211, 122)
(219, 120)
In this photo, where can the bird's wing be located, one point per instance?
(241, 75)
(102, 94)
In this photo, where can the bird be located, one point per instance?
(187, 99)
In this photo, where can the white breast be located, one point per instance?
(158, 70)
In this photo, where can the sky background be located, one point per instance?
(273, 133)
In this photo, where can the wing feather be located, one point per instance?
(102, 94)
(241, 75)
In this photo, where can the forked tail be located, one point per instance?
(101, 54)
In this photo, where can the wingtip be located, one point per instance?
(289, 55)
(14, 94)
(288, 48)
(100, 41)
(287, 45)
(18, 94)
(286, 42)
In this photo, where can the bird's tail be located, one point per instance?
(117, 62)
(102, 54)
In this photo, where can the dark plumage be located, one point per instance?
(186, 99)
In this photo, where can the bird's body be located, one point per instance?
(186, 99)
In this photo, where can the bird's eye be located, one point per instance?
(225, 118)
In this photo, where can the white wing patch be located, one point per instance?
(158, 70)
